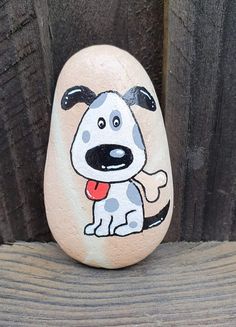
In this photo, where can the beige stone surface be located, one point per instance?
(102, 68)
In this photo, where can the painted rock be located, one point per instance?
(108, 181)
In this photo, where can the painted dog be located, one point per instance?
(108, 149)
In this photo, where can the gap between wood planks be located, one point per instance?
(180, 284)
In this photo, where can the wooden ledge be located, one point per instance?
(180, 284)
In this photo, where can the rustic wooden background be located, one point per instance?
(198, 96)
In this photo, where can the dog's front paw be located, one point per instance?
(102, 231)
(89, 229)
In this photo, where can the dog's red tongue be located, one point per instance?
(96, 190)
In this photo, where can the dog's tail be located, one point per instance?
(156, 220)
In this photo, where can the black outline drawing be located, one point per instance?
(137, 95)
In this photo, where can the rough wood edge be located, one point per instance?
(180, 284)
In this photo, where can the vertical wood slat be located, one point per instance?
(200, 115)
(200, 96)
(25, 114)
(37, 37)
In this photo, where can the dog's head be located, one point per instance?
(108, 145)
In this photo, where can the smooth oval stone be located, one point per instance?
(108, 181)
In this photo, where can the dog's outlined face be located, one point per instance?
(108, 145)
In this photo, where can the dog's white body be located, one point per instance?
(118, 215)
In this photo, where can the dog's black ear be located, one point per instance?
(77, 94)
(140, 96)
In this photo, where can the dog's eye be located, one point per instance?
(101, 123)
(116, 121)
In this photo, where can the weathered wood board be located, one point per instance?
(37, 37)
(180, 284)
(24, 121)
(200, 116)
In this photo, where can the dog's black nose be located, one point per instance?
(107, 157)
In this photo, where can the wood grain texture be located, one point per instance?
(24, 122)
(37, 37)
(180, 284)
(200, 117)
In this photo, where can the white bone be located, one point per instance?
(152, 183)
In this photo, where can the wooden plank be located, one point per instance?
(200, 117)
(220, 221)
(25, 114)
(180, 284)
